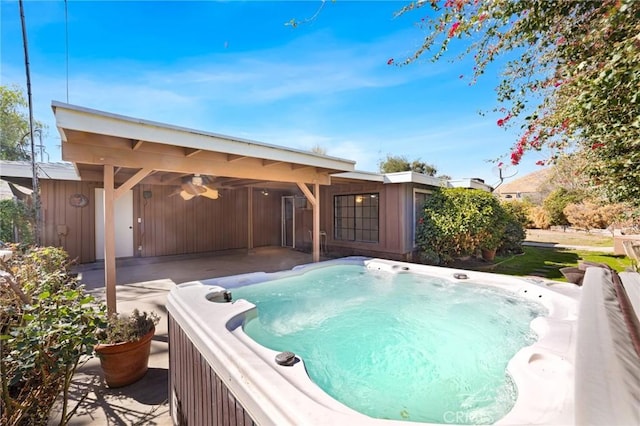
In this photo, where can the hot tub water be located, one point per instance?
(395, 345)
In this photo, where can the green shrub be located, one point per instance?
(458, 222)
(16, 217)
(556, 202)
(516, 219)
(48, 325)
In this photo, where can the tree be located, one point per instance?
(398, 163)
(320, 150)
(571, 75)
(14, 124)
(556, 202)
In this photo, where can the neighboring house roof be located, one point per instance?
(527, 184)
(57, 171)
(20, 173)
(413, 177)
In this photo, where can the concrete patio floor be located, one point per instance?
(144, 284)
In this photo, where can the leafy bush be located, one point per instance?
(539, 217)
(555, 203)
(47, 325)
(514, 234)
(16, 217)
(588, 215)
(457, 222)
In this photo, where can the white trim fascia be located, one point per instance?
(413, 177)
(89, 120)
(470, 183)
(57, 171)
(360, 175)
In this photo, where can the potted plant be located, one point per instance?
(124, 347)
(489, 242)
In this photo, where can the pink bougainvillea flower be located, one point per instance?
(390, 61)
(597, 145)
(500, 164)
(501, 122)
(540, 163)
(453, 29)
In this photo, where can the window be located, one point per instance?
(356, 217)
(419, 197)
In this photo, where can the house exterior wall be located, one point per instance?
(168, 224)
(393, 214)
(72, 228)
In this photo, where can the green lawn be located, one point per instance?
(548, 261)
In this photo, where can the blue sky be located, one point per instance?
(235, 68)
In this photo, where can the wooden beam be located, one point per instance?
(136, 144)
(179, 164)
(307, 193)
(232, 157)
(295, 166)
(190, 152)
(268, 163)
(131, 182)
(109, 239)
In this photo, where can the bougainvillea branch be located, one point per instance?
(571, 77)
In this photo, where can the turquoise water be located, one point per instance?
(398, 346)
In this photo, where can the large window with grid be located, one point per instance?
(356, 217)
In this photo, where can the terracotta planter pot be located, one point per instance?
(489, 254)
(125, 363)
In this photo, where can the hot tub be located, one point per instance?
(220, 375)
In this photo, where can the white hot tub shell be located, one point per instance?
(219, 375)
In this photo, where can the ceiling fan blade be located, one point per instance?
(193, 189)
(210, 193)
(186, 196)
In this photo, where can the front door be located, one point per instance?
(123, 220)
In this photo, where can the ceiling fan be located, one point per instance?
(197, 186)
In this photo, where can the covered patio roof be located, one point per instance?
(92, 138)
(123, 151)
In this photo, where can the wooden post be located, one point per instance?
(316, 224)
(109, 239)
(314, 199)
(250, 218)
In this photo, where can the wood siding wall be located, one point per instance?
(267, 214)
(59, 217)
(168, 224)
(392, 224)
(197, 395)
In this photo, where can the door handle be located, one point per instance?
(131, 227)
